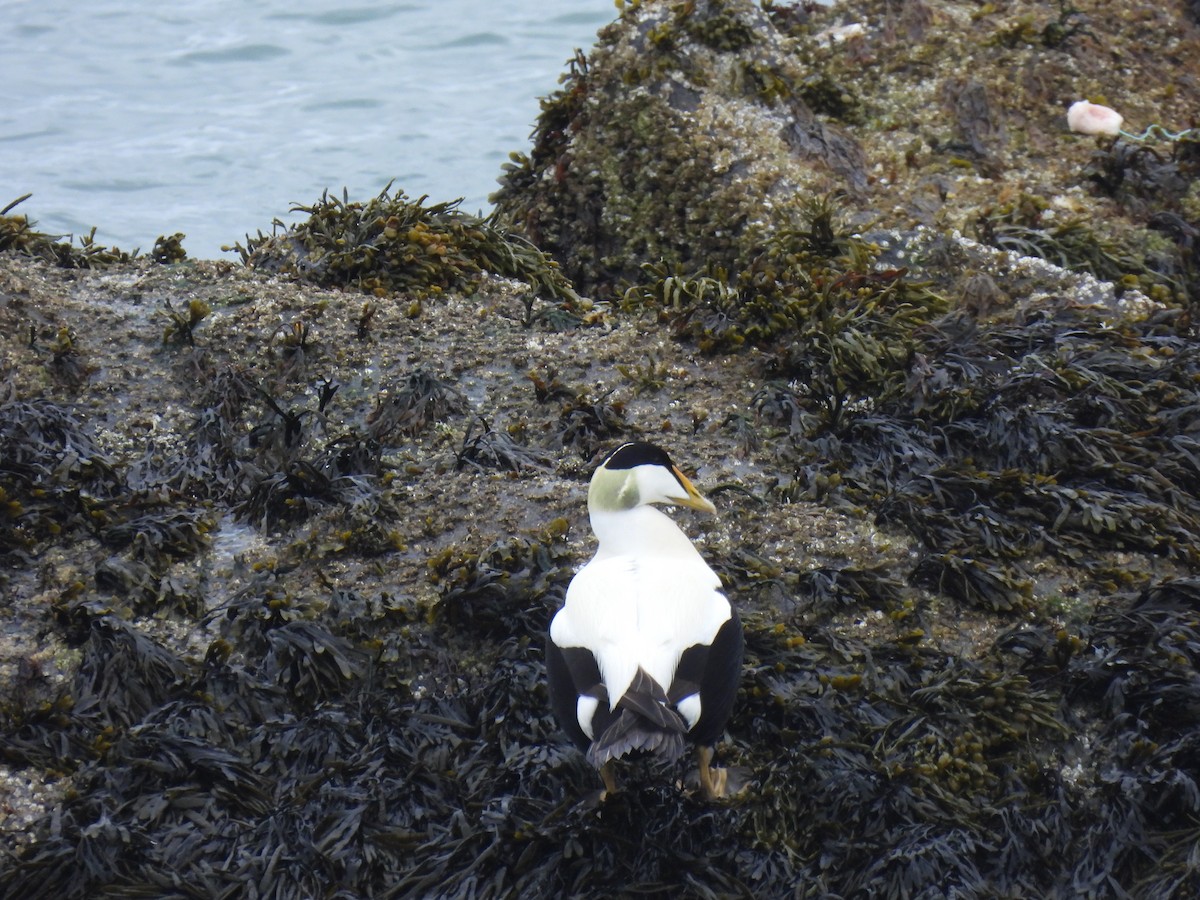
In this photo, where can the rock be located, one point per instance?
(682, 136)
(279, 544)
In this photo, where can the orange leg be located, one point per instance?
(712, 779)
(610, 780)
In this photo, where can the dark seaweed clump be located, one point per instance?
(362, 749)
(420, 400)
(585, 424)
(839, 326)
(1013, 441)
(1138, 258)
(510, 589)
(1151, 182)
(275, 461)
(928, 774)
(296, 469)
(484, 447)
(392, 243)
(52, 477)
(57, 486)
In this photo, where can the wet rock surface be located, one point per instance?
(280, 541)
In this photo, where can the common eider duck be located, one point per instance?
(646, 652)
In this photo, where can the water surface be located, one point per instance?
(212, 117)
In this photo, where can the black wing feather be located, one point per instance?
(714, 670)
(570, 674)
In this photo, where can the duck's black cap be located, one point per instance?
(638, 453)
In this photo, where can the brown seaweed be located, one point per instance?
(392, 243)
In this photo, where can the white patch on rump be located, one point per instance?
(585, 708)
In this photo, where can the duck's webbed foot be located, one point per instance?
(713, 780)
(718, 783)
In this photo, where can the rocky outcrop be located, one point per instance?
(680, 137)
(695, 130)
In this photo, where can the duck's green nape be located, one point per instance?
(613, 490)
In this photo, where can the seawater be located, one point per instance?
(212, 117)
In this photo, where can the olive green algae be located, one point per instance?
(711, 149)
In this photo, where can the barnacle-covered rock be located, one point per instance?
(694, 128)
(680, 136)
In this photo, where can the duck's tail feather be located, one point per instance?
(643, 721)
